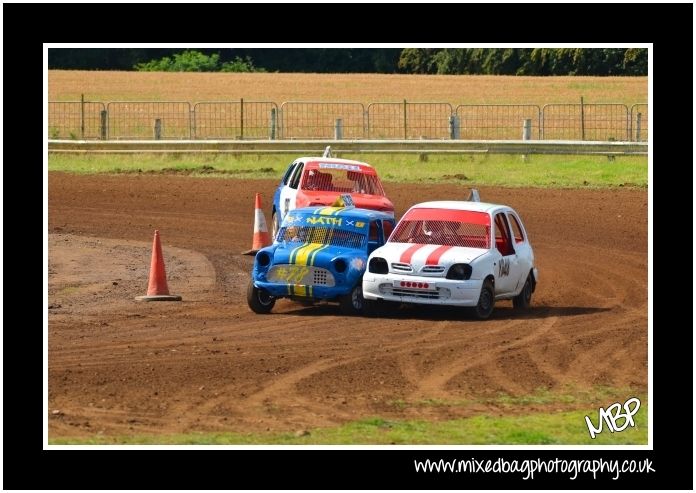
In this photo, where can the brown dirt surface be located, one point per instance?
(119, 367)
(363, 88)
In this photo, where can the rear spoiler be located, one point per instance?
(474, 196)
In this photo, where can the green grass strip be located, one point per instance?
(565, 171)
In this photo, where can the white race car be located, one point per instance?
(458, 253)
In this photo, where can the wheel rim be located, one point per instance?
(356, 298)
(264, 298)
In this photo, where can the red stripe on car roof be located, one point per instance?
(471, 217)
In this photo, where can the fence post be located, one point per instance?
(82, 116)
(527, 129)
(241, 118)
(639, 118)
(526, 133)
(582, 117)
(273, 123)
(405, 131)
(338, 129)
(158, 128)
(454, 127)
(102, 124)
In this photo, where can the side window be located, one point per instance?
(374, 231)
(388, 228)
(502, 235)
(373, 237)
(516, 229)
(295, 180)
(288, 173)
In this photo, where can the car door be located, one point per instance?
(282, 185)
(506, 268)
(288, 193)
(523, 249)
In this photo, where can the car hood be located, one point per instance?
(313, 254)
(419, 255)
(361, 200)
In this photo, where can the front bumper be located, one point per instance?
(412, 289)
(280, 290)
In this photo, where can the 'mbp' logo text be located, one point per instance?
(613, 414)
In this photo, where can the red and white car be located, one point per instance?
(458, 253)
(311, 181)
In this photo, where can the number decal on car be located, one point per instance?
(504, 267)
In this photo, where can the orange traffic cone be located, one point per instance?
(261, 236)
(157, 289)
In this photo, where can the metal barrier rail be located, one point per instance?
(316, 147)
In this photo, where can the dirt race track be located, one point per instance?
(118, 367)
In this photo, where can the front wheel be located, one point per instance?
(486, 302)
(259, 300)
(524, 299)
(353, 303)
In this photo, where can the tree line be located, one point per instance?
(495, 61)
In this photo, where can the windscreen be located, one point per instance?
(444, 227)
(342, 181)
(322, 236)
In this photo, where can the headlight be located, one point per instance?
(459, 272)
(340, 265)
(263, 259)
(378, 265)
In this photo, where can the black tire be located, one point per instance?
(259, 300)
(381, 308)
(486, 302)
(275, 225)
(524, 299)
(353, 303)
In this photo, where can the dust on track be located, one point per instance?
(118, 367)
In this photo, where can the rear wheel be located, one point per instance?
(353, 303)
(486, 302)
(524, 299)
(259, 300)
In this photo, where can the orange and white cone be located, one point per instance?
(157, 289)
(261, 236)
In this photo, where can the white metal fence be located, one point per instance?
(240, 119)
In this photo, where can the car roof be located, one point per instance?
(460, 205)
(331, 160)
(352, 212)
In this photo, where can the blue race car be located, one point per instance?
(319, 253)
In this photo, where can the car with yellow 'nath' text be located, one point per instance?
(319, 253)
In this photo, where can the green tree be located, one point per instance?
(418, 61)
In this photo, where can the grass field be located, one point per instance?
(544, 428)
(500, 170)
(66, 85)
